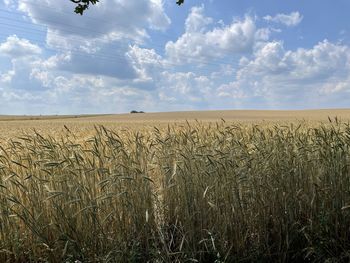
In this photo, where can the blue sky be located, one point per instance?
(152, 55)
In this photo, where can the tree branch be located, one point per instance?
(82, 5)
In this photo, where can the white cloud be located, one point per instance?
(15, 47)
(281, 77)
(97, 94)
(10, 3)
(108, 19)
(292, 19)
(185, 88)
(158, 19)
(175, 90)
(318, 63)
(98, 41)
(146, 62)
(104, 64)
(336, 87)
(231, 90)
(7, 77)
(199, 44)
(196, 21)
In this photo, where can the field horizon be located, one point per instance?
(200, 115)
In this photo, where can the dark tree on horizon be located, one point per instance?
(82, 5)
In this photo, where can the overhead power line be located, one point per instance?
(101, 54)
(66, 28)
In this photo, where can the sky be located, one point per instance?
(153, 55)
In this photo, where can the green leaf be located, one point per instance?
(180, 2)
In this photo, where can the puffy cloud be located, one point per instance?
(7, 77)
(101, 20)
(199, 44)
(323, 61)
(318, 63)
(86, 93)
(185, 88)
(104, 64)
(196, 21)
(231, 90)
(146, 62)
(158, 19)
(291, 19)
(15, 47)
(283, 77)
(336, 87)
(268, 58)
(97, 42)
(172, 88)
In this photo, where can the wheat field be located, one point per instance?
(224, 186)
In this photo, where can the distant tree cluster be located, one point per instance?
(135, 111)
(82, 5)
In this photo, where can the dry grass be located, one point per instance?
(207, 192)
(170, 117)
(83, 125)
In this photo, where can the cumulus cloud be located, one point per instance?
(101, 94)
(98, 41)
(231, 90)
(197, 21)
(15, 47)
(146, 62)
(318, 63)
(7, 77)
(91, 71)
(132, 16)
(184, 90)
(172, 88)
(292, 19)
(200, 44)
(282, 76)
(336, 87)
(103, 64)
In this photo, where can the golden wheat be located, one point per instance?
(200, 192)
